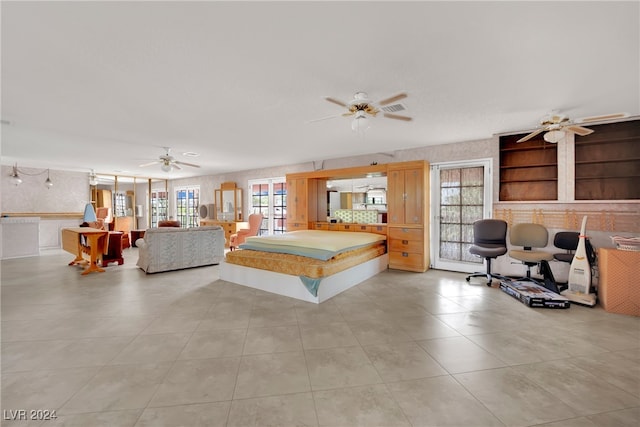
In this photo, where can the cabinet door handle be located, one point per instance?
(405, 242)
(405, 254)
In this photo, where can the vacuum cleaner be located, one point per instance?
(579, 284)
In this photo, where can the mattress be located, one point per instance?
(319, 244)
(298, 265)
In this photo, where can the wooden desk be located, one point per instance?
(96, 245)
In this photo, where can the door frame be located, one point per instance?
(436, 262)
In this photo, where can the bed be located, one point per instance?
(310, 265)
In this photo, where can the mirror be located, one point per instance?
(357, 194)
(228, 202)
(134, 203)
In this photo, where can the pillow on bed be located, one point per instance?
(318, 244)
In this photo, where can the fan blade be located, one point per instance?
(324, 118)
(579, 130)
(531, 135)
(149, 164)
(174, 164)
(335, 101)
(393, 99)
(602, 118)
(185, 164)
(397, 117)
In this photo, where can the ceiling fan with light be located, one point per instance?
(362, 109)
(168, 162)
(557, 125)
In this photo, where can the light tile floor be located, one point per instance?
(122, 348)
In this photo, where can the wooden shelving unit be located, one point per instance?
(528, 170)
(608, 162)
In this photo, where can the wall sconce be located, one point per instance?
(15, 179)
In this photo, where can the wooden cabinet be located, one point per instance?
(406, 195)
(229, 227)
(407, 248)
(123, 223)
(103, 199)
(297, 193)
(407, 201)
(306, 202)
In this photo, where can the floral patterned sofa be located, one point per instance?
(168, 248)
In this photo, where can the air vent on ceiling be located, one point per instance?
(393, 108)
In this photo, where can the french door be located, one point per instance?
(187, 202)
(460, 194)
(269, 197)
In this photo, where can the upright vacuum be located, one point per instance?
(579, 286)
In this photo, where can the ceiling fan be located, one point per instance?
(556, 125)
(361, 109)
(168, 162)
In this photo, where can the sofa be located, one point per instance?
(169, 248)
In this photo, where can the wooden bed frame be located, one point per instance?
(292, 286)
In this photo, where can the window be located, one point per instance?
(269, 197)
(187, 203)
(159, 205)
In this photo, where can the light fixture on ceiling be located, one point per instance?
(554, 136)
(360, 122)
(93, 178)
(15, 179)
(166, 167)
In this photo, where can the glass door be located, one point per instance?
(461, 194)
(187, 203)
(269, 197)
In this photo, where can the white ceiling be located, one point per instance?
(105, 85)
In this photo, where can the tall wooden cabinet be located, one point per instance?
(407, 203)
(408, 213)
(306, 202)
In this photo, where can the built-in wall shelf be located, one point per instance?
(528, 170)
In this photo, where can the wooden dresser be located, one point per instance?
(229, 227)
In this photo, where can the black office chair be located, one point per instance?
(489, 242)
(529, 236)
(567, 240)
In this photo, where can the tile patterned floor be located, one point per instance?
(123, 348)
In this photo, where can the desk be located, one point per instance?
(96, 245)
